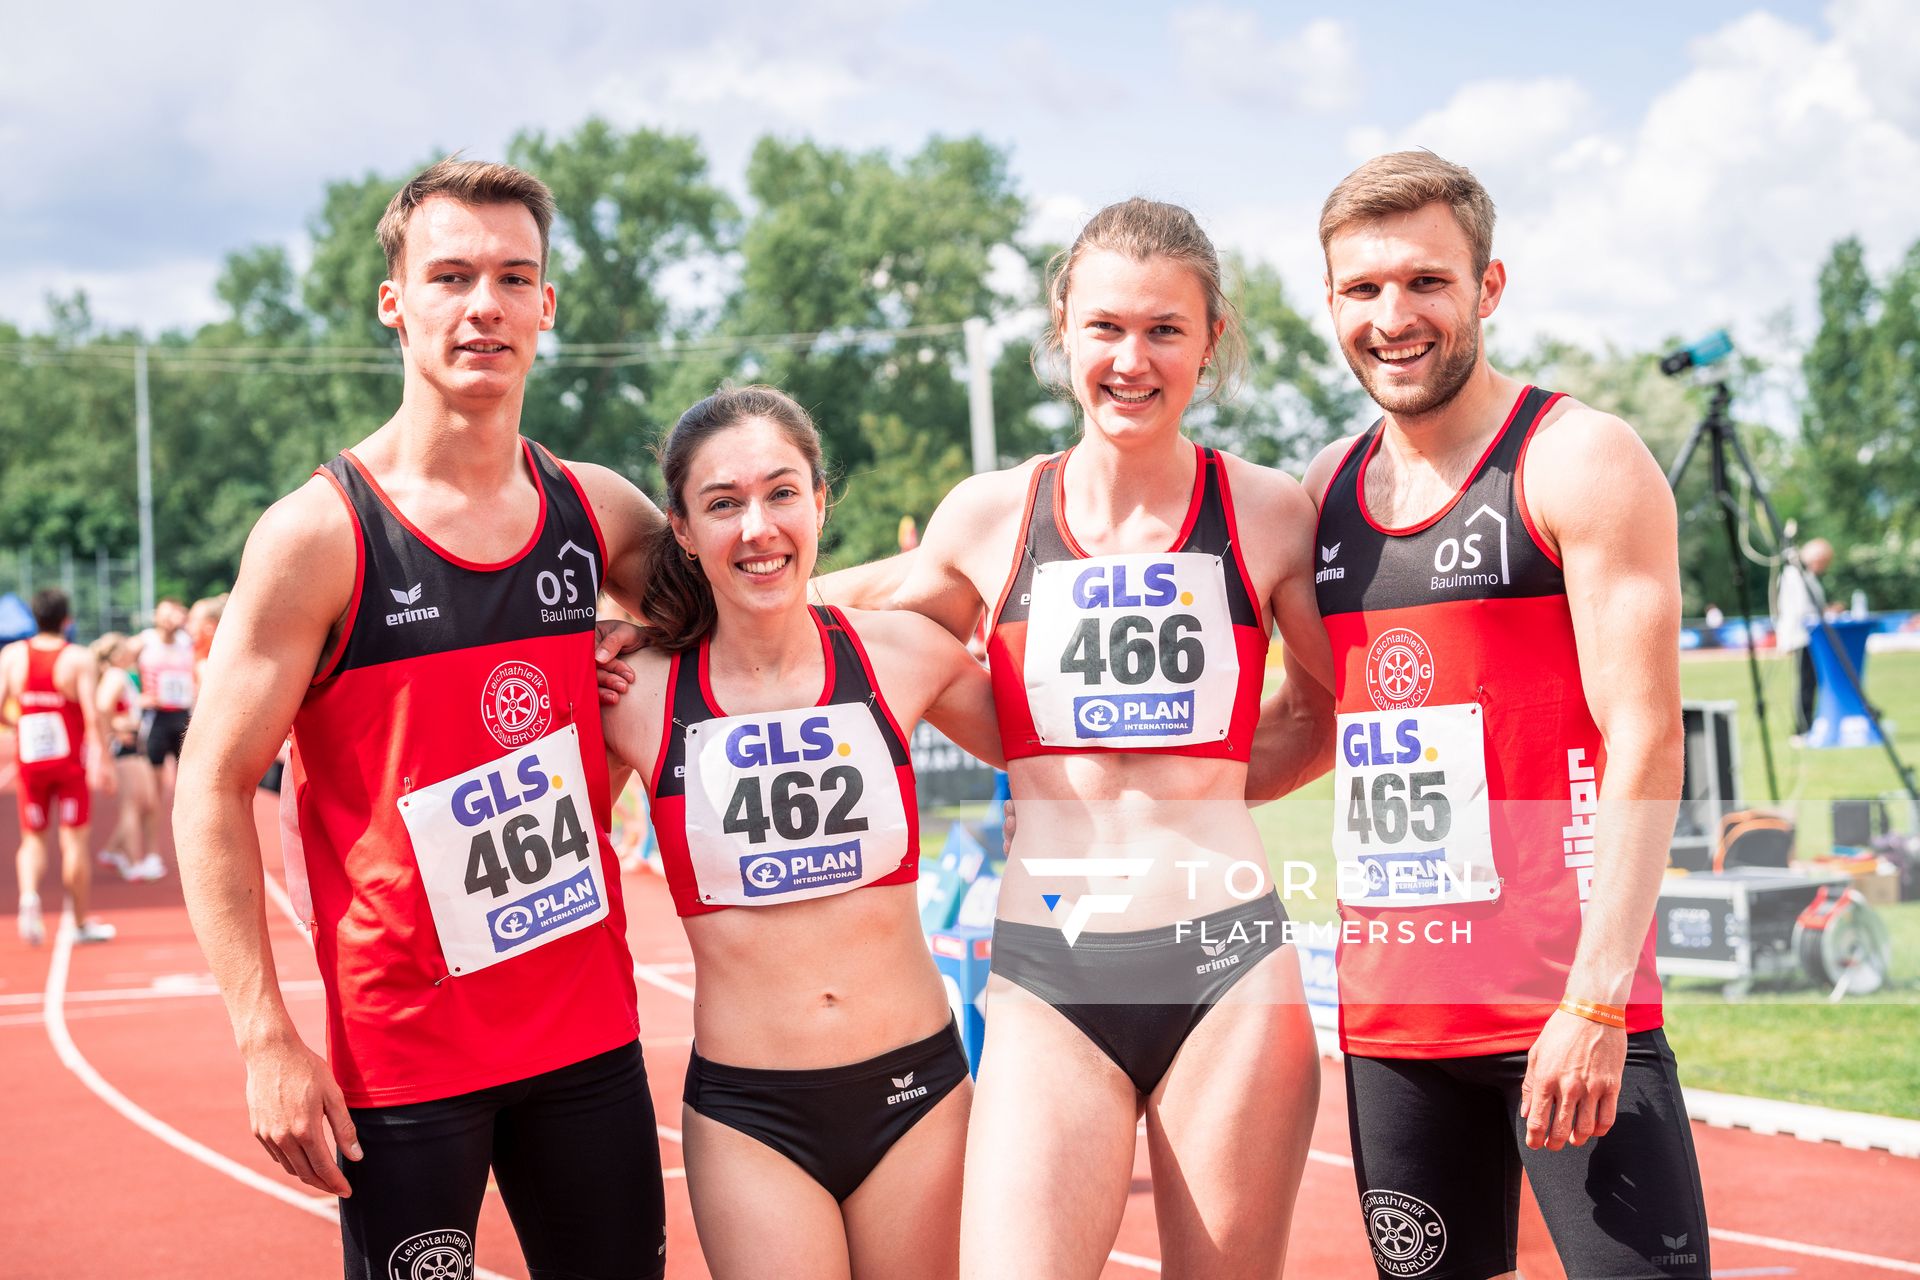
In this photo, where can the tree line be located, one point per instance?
(843, 277)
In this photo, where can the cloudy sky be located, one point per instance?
(1659, 169)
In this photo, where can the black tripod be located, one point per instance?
(1717, 429)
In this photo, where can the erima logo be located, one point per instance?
(1221, 962)
(1674, 1258)
(907, 1092)
(411, 596)
(1332, 571)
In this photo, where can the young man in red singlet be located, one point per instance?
(1497, 571)
(61, 756)
(420, 613)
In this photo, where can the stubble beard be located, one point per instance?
(1435, 393)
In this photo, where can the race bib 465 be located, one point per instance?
(1411, 825)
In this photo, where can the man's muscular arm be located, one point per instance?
(1621, 560)
(1293, 743)
(296, 578)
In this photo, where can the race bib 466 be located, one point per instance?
(1131, 650)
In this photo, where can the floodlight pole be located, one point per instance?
(980, 396)
(143, 434)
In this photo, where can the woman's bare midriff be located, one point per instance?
(821, 983)
(1179, 824)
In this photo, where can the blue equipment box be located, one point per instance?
(963, 956)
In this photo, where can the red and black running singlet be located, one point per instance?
(1467, 767)
(1140, 651)
(452, 800)
(52, 729)
(782, 806)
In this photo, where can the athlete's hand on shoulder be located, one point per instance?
(299, 1114)
(611, 638)
(1572, 1085)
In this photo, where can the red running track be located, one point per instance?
(168, 1182)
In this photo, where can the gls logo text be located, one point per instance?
(754, 746)
(1094, 590)
(1089, 905)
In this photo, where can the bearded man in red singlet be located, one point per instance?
(421, 613)
(1497, 571)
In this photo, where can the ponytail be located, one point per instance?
(677, 609)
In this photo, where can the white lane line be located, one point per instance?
(1816, 1251)
(1135, 1261)
(201, 985)
(652, 977)
(70, 1056)
(54, 1006)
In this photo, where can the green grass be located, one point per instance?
(1781, 1041)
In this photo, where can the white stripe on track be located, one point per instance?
(1135, 1261)
(1816, 1251)
(293, 986)
(648, 975)
(55, 1011)
(654, 978)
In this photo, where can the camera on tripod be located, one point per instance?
(1711, 349)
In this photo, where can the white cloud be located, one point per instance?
(199, 128)
(1717, 205)
(1882, 42)
(127, 298)
(1498, 128)
(1227, 51)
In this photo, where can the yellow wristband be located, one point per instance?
(1607, 1015)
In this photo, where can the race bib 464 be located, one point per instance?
(507, 853)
